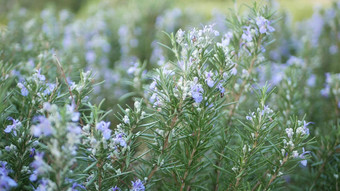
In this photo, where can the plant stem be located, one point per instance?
(190, 161)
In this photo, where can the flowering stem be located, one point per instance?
(322, 167)
(258, 182)
(231, 113)
(165, 146)
(64, 76)
(190, 162)
(277, 172)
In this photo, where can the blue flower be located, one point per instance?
(43, 128)
(233, 71)
(325, 91)
(42, 186)
(196, 91)
(305, 127)
(209, 80)
(104, 128)
(247, 34)
(39, 75)
(133, 68)
(221, 88)
(90, 57)
(137, 185)
(75, 185)
(114, 189)
(23, 89)
(37, 165)
(303, 162)
(153, 85)
(32, 152)
(74, 115)
(120, 140)
(12, 127)
(311, 80)
(74, 129)
(49, 89)
(6, 182)
(264, 25)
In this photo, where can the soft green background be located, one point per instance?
(300, 9)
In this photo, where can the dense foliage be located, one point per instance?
(250, 101)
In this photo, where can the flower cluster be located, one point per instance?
(295, 137)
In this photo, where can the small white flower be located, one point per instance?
(126, 119)
(138, 106)
(295, 154)
(289, 132)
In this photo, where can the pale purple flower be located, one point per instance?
(226, 40)
(104, 128)
(67, 41)
(32, 152)
(233, 71)
(107, 133)
(49, 89)
(6, 182)
(24, 91)
(221, 88)
(311, 80)
(39, 75)
(316, 23)
(43, 128)
(134, 43)
(137, 185)
(72, 113)
(75, 185)
(325, 91)
(133, 68)
(114, 189)
(304, 162)
(120, 140)
(264, 25)
(196, 93)
(293, 60)
(208, 79)
(12, 127)
(247, 34)
(37, 165)
(305, 127)
(266, 110)
(153, 97)
(153, 85)
(74, 129)
(43, 185)
(333, 49)
(90, 56)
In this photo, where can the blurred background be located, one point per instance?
(112, 37)
(299, 8)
